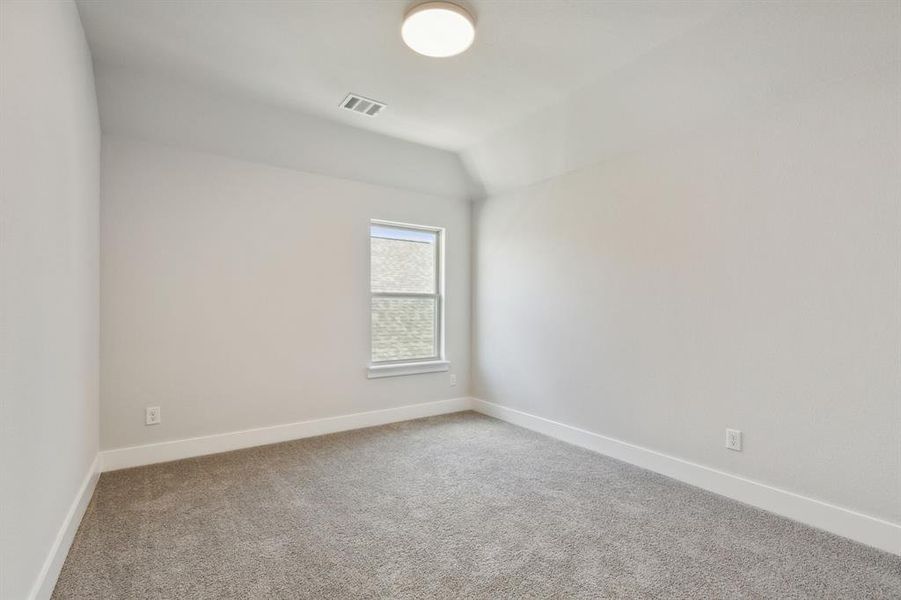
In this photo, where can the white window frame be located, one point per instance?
(432, 364)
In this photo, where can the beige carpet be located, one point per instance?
(459, 506)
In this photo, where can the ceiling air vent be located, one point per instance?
(364, 106)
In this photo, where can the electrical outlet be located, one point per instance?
(453, 379)
(152, 415)
(733, 439)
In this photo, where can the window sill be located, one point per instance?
(414, 368)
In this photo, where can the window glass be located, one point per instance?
(405, 293)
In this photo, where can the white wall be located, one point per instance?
(49, 157)
(235, 294)
(743, 272)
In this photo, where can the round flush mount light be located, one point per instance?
(438, 29)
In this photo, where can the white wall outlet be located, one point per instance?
(733, 439)
(453, 379)
(152, 415)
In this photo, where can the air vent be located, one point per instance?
(364, 106)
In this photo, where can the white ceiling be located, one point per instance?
(307, 55)
(757, 57)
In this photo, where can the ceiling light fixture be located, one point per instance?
(438, 29)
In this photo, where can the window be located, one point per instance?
(406, 299)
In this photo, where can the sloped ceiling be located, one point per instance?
(307, 55)
(152, 107)
(549, 85)
(756, 56)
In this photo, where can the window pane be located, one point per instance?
(402, 260)
(403, 328)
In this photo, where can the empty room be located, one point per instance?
(478, 299)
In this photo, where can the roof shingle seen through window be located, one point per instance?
(402, 266)
(403, 328)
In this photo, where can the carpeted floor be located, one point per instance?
(458, 506)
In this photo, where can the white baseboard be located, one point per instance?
(53, 564)
(135, 456)
(822, 515)
(835, 519)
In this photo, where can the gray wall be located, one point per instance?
(743, 273)
(49, 158)
(236, 295)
